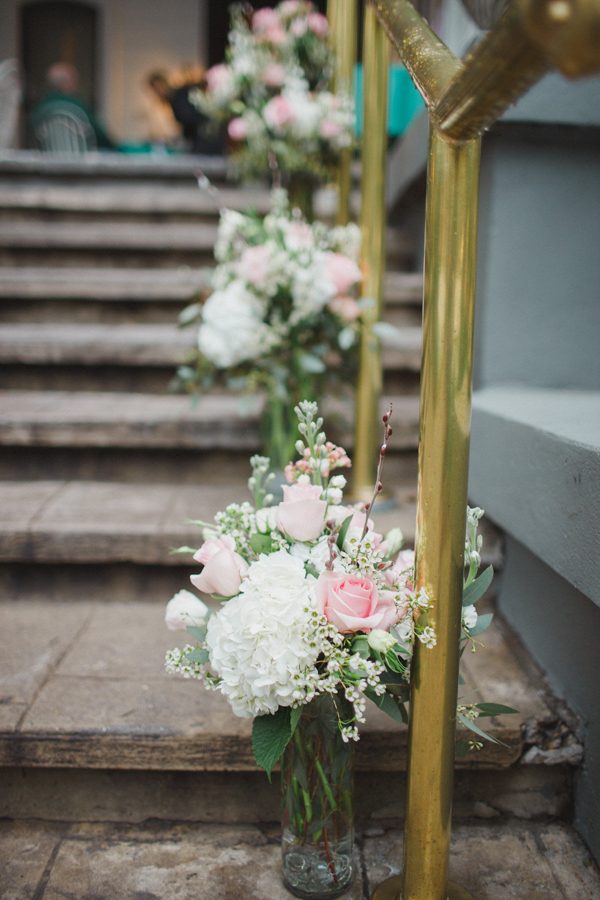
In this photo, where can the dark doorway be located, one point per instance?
(58, 32)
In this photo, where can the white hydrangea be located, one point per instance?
(223, 344)
(259, 642)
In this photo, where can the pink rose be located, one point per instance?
(273, 75)
(330, 130)
(253, 264)
(299, 27)
(318, 24)
(352, 603)
(265, 18)
(223, 567)
(341, 271)
(275, 35)
(278, 113)
(238, 129)
(288, 8)
(301, 514)
(345, 307)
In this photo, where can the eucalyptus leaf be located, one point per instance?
(311, 363)
(346, 338)
(197, 631)
(198, 655)
(180, 551)
(343, 531)
(478, 587)
(270, 736)
(483, 622)
(470, 724)
(389, 335)
(388, 705)
(495, 709)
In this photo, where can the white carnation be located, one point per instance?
(259, 641)
(232, 329)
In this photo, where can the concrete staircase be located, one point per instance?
(100, 471)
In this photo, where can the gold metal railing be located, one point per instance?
(342, 15)
(463, 99)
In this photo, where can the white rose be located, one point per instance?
(266, 519)
(184, 609)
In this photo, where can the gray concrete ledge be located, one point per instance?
(535, 468)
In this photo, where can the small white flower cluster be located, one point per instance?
(275, 275)
(273, 92)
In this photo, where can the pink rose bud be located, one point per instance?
(301, 514)
(342, 271)
(223, 567)
(238, 129)
(218, 77)
(265, 18)
(330, 130)
(352, 603)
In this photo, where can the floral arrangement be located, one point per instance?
(272, 91)
(282, 315)
(314, 601)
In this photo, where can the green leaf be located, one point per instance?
(470, 724)
(478, 587)
(495, 709)
(175, 551)
(393, 663)
(295, 716)
(483, 622)
(311, 363)
(198, 655)
(343, 531)
(270, 736)
(261, 543)
(360, 645)
(388, 705)
(197, 631)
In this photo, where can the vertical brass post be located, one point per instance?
(372, 221)
(448, 315)
(342, 22)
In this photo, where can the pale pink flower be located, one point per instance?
(275, 35)
(263, 19)
(329, 129)
(342, 271)
(273, 75)
(289, 8)
(298, 235)
(318, 24)
(238, 129)
(301, 514)
(223, 567)
(278, 113)
(345, 307)
(403, 563)
(218, 78)
(253, 265)
(353, 603)
(299, 27)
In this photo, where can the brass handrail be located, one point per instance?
(463, 99)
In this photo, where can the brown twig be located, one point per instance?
(387, 433)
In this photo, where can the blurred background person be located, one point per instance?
(197, 129)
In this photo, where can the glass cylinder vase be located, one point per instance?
(317, 797)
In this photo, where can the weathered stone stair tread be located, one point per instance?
(115, 165)
(48, 283)
(89, 522)
(95, 235)
(113, 197)
(90, 419)
(193, 861)
(154, 344)
(132, 284)
(98, 697)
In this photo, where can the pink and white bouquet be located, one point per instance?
(273, 91)
(313, 600)
(282, 315)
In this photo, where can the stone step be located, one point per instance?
(41, 293)
(52, 201)
(98, 704)
(215, 421)
(145, 345)
(517, 861)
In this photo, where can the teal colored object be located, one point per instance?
(404, 100)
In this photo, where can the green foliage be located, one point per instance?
(388, 704)
(477, 588)
(270, 736)
(495, 709)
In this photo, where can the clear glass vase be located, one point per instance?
(317, 798)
